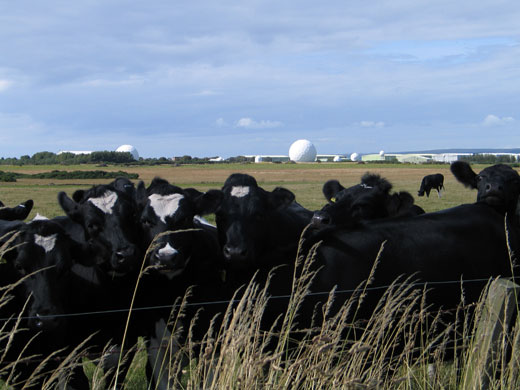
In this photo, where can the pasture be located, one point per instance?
(234, 357)
(304, 180)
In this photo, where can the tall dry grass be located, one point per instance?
(401, 346)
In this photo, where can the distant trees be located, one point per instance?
(49, 158)
(490, 159)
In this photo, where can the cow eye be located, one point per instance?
(479, 178)
(93, 228)
(19, 267)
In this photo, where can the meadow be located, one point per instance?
(233, 357)
(304, 180)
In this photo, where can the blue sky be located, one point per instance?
(226, 78)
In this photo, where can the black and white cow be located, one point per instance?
(497, 185)
(371, 199)
(109, 220)
(19, 212)
(179, 260)
(165, 206)
(41, 257)
(259, 231)
(429, 182)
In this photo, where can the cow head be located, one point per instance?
(168, 207)
(253, 223)
(43, 254)
(497, 186)
(173, 252)
(371, 199)
(109, 220)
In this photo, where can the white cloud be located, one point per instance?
(372, 124)
(220, 122)
(493, 120)
(4, 85)
(252, 124)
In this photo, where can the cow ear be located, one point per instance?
(464, 174)
(398, 203)
(280, 197)
(208, 202)
(140, 193)
(331, 188)
(78, 195)
(70, 207)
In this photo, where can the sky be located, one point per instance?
(228, 78)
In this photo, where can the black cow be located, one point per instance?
(442, 251)
(429, 182)
(371, 199)
(497, 185)
(258, 231)
(19, 212)
(44, 256)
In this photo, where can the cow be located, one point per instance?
(40, 259)
(259, 232)
(164, 206)
(371, 199)
(181, 260)
(108, 222)
(497, 185)
(19, 212)
(429, 182)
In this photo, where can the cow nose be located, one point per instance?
(45, 320)
(124, 254)
(494, 187)
(234, 252)
(163, 258)
(320, 219)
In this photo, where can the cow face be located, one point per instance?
(173, 252)
(370, 199)
(168, 207)
(43, 255)
(497, 186)
(250, 220)
(109, 219)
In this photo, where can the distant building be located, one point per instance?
(75, 152)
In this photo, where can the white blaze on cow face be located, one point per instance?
(106, 202)
(46, 242)
(239, 191)
(165, 205)
(167, 250)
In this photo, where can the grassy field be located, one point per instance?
(322, 361)
(305, 180)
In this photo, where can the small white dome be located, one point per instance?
(382, 153)
(302, 151)
(354, 157)
(130, 149)
(337, 159)
(259, 159)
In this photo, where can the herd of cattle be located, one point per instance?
(73, 275)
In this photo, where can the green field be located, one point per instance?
(305, 180)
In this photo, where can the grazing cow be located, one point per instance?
(179, 260)
(371, 199)
(429, 182)
(497, 185)
(19, 212)
(44, 256)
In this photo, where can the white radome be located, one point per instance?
(302, 151)
(354, 157)
(130, 149)
(382, 153)
(259, 159)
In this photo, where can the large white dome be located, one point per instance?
(302, 151)
(130, 149)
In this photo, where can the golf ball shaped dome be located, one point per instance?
(302, 151)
